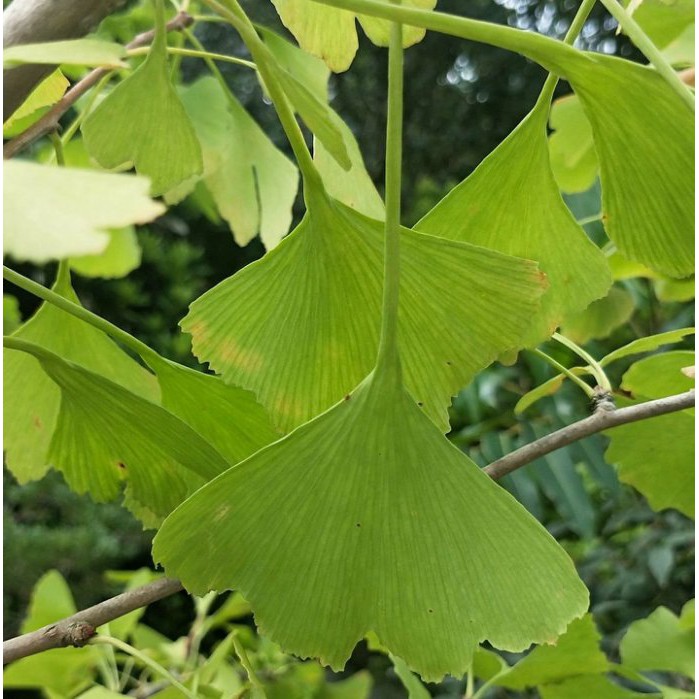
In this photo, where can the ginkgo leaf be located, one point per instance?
(44, 220)
(331, 34)
(32, 400)
(63, 671)
(107, 436)
(647, 182)
(143, 124)
(368, 519)
(548, 388)
(121, 256)
(656, 456)
(658, 642)
(353, 186)
(81, 52)
(601, 317)
(251, 181)
(46, 93)
(511, 203)
(571, 146)
(577, 652)
(597, 686)
(228, 417)
(308, 330)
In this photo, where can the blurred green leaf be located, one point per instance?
(600, 318)
(647, 344)
(46, 93)
(83, 52)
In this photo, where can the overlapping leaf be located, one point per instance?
(46, 93)
(656, 456)
(511, 203)
(330, 33)
(601, 317)
(81, 52)
(44, 220)
(106, 435)
(367, 519)
(121, 256)
(32, 399)
(251, 181)
(142, 123)
(300, 327)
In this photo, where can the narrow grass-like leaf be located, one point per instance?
(143, 124)
(80, 52)
(307, 331)
(31, 399)
(106, 436)
(251, 181)
(511, 203)
(44, 220)
(367, 519)
(647, 344)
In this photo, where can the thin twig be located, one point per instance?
(603, 419)
(50, 121)
(78, 629)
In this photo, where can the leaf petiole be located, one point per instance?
(595, 367)
(588, 390)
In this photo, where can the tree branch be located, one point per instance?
(78, 629)
(49, 122)
(37, 21)
(603, 419)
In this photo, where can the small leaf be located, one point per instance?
(548, 388)
(487, 664)
(656, 455)
(571, 146)
(659, 643)
(106, 435)
(416, 690)
(45, 221)
(142, 123)
(576, 652)
(32, 400)
(661, 560)
(300, 349)
(371, 472)
(251, 181)
(46, 93)
(587, 686)
(674, 290)
(330, 33)
(493, 208)
(121, 256)
(601, 317)
(81, 52)
(647, 344)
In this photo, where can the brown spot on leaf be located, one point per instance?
(37, 422)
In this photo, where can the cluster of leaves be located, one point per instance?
(367, 483)
(220, 657)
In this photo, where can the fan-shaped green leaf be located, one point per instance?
(300, 327)
(228, 417)
(656, 456)
(571, 146)
(106, 435)
(659, 643)
(647, 344)
(576, 652)
(64, 671)
(143, 124)
(46, 93)
(600, 318)
(121, 256)
(44, 220)
(251, 181)
(389, 528)
(81, 52)
(330, 33)
(511, 203)
(32, 400)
